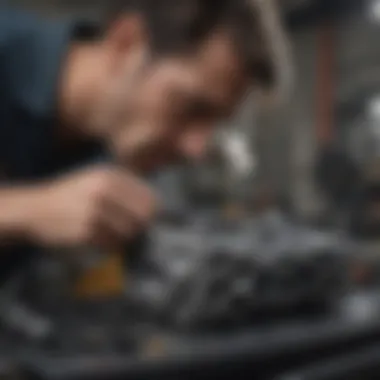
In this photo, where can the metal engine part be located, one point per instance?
(217, 275)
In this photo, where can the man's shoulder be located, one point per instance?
(31, 50)
(13, 21)
(17, 28)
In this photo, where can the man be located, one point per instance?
(149, 88)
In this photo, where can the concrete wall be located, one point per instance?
(287, 139)
(305, 195)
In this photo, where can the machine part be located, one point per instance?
(364, 215)
(374, 124)
(360, 305)
(359, 133)
(238, 159)
(233, 275)
(9, 370)
(105, 280)
(338, 176)
(348, 170)
(241, 161)
(18, 318)
(261, 348)
(361, 364)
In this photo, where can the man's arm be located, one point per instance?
(16, 206)
(99, 206)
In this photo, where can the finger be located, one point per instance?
(135, 198)
(106, 237)
(121, 222)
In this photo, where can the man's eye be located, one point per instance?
(197, 111)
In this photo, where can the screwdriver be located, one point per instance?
(103, 274)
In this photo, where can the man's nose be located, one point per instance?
(194, 144)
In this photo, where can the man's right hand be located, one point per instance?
(101, 206)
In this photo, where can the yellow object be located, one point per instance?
(103, 281)
(233, 211)
(154, 348)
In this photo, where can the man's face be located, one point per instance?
(166, 110)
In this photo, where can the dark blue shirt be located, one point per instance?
(32, 52)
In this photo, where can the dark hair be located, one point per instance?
(179, 25)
